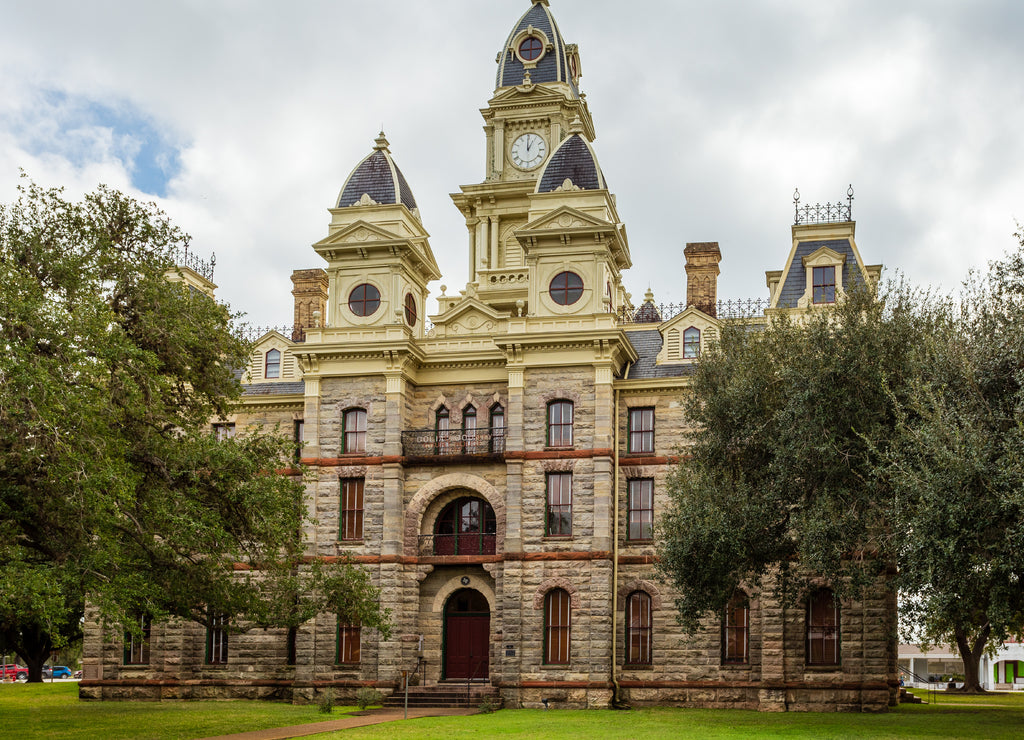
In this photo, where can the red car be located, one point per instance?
(12, 672)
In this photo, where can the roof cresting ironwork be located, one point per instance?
(829, 213)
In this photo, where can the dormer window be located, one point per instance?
(824, 284)
(272, 364)
(530, 48)
(691, 343)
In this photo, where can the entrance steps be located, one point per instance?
(452, 695)
(908, 698)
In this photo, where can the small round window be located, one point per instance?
(410, 309)
(364, 300)
(566, 288)
(530, 48)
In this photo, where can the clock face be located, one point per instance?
(528, 151)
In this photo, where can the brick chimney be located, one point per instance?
(702, 272)
(310, 293)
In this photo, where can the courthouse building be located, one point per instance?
(498, 467)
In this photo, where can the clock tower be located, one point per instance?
(536, 104)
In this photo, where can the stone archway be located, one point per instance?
(434, 488)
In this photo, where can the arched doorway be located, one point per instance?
(466, 526)
(467, 630)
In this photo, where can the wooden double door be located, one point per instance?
(467, 635)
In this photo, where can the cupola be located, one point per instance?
(377, 181)
(572, 166)
(536, 53)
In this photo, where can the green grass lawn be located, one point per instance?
(52, 710)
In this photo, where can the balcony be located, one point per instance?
(467, 543)
(453, 442)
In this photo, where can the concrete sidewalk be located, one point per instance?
(372, 717)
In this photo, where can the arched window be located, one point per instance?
(469, 428)
(639, 628)
(442, 440)
(466, 526)
(823, 628)
(497, 428)
(353, 431)
(272, 364)
(556, 627)
(560, 424)
(691, 343)
(736, 630)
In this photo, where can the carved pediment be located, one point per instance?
(566, 218)
(358, 233)
(469, 316)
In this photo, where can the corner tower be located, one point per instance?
(537, 105)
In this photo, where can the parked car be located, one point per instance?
(78, 673)
(13, 672)
(60, 671)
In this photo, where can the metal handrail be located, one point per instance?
(452, 442)
(931, 685)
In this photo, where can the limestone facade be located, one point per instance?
(502, 462)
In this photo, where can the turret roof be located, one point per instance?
(378, 178)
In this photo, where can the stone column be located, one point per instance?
(772, 694)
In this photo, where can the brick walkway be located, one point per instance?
(370, 718)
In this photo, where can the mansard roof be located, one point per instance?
(379, 179)
(551, 66)
(573, 160)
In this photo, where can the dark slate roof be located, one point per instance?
(552, 67)
(379, 177)
(575, 160)
(647, 343)
(796, 280)
(274, 389)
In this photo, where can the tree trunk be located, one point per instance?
(970, 653)
(34, 648)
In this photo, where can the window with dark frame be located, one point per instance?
(557, 625)
(442, 434)
(823, 280)
(351, 524)
(641, 431)
(497, 428)
(410, 309)
(348, 643)
(566, 288)
(364, 300)
(639, 628)
(136, 647)
(736, 630)
(217, 639)
(272, 364)
(640, 512)
(559, 506)
(691, 343)
(823, 628)
(530, 48)
(469, 429)
(466, 526)
(560, 422)
(353, 431)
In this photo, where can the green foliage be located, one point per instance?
(326, 704)
(110, 484)
(367, 697)
(488, 705)
(781, 466)
(882, 434)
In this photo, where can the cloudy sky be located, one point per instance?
(243, 119)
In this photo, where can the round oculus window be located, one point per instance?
(410, 309)
(566, 288)
(530, 48)
(364, 300)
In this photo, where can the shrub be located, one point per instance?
(366, 697)
(327, 702)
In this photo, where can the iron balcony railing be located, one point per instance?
(464, 543)
(451, 442)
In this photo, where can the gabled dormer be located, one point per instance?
(272, 360)
(824, 262)
(469, 316)
(686, 336)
